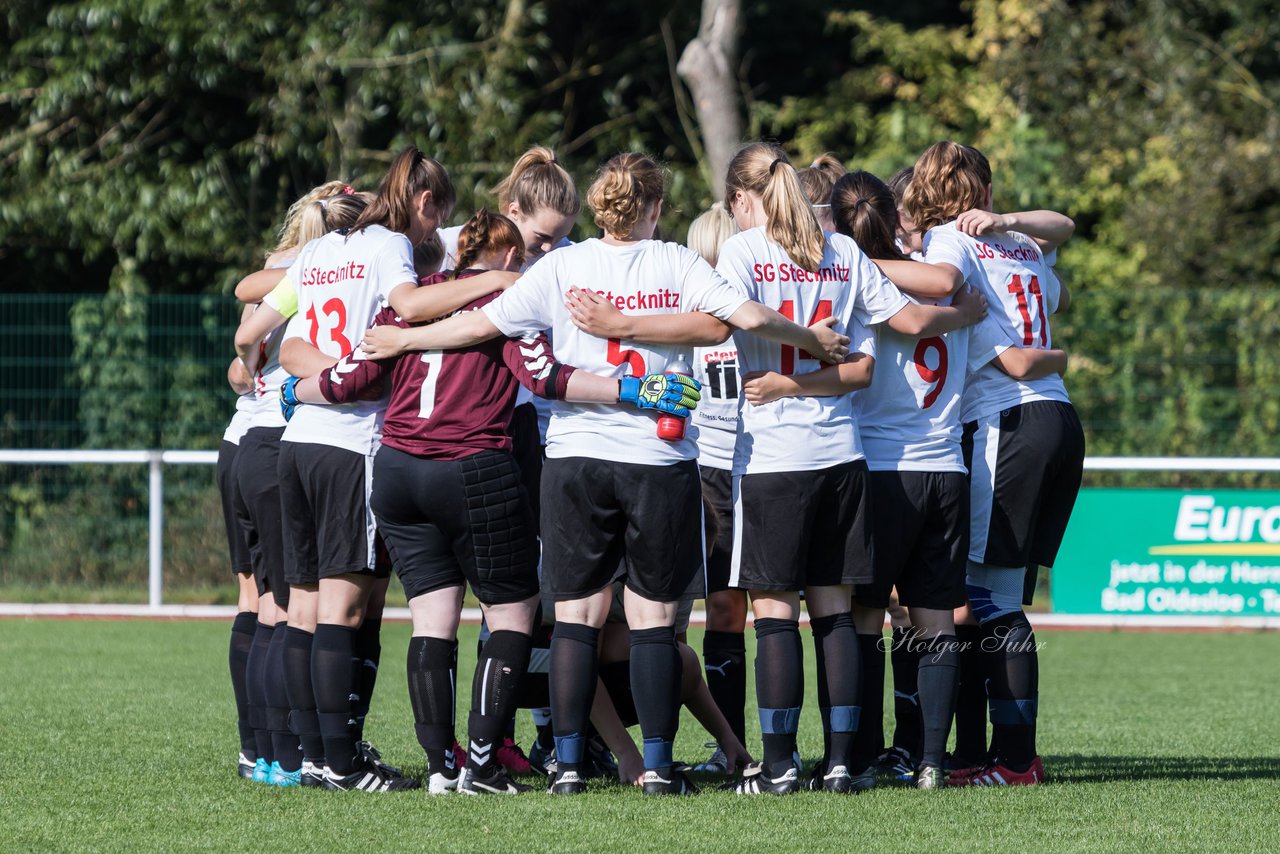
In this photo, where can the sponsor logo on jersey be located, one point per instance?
(641, 302)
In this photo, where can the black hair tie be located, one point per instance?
(774, 164)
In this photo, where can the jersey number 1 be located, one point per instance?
(1032, 287)
(788, 310)
(433, 359)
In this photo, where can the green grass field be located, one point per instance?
(119, 736)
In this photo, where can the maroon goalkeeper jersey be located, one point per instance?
(449, 404)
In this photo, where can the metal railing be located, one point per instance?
(157, 460)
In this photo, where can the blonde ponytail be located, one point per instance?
(538, 182)
(303, 216)
(763, 169)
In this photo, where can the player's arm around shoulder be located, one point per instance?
(1025, 363)
(856, 372)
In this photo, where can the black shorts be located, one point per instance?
(256, 473)
(229, 491)
(328, 527)
(526, 447)
(801, 529)
(717, 494)
(920, 539)
(453, 522)
(598, 515)
(1025, 466)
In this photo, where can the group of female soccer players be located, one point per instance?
(842, 394)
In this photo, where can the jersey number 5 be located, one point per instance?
(936, 376)
(788, 310)
(617, 356)
(333, 308)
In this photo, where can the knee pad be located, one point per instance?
(994, 591)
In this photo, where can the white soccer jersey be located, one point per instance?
(717, 414)
(803, 433)
(910, 415)
(342, 282)
(239, 424)
(648, 277)
(1021, 290)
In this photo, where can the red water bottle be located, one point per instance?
(671, 427)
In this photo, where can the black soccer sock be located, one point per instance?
(573, 687)
(904, 656)
(1015, 679)
(779, 689)
(938, 674)
(971, 699)
(302, 697)
(656, 674)
(494, 692)
(432, 668)
(839, 689)
(542, 725)
(242, 629)
(868, 743)
(284, 743)
(368, 649)
(724, 656)
(333, 675)
(256, 687)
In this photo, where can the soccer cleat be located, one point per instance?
(369, 778)
(261, 771)
(441, 783)
(282, 778)
(864, 781)
(542, 759)
(244, 767)
(565, 783)
(456, 758)
(930, 777)
(673, 783)
(897, 763)
(497, 782)
(837, 780)
(599, 761)
(511, 757)
(717, 763)
(311, 775)
(369, 753)
(756, 782)
(1000, 775)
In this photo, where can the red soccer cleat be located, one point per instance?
(511, 757)
(999, 775)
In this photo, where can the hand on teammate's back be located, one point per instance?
(835, 346)
(384, 342)
(977, 222)
(594, 314)
(761, 387)
(971, 303)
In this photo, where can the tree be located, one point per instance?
(709, 66)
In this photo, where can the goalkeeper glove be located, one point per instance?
(289, 397)
(672, 394)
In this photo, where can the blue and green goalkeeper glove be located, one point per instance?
(673, 394)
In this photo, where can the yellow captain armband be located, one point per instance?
(283, 298)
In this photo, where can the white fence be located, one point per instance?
(157, 460)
